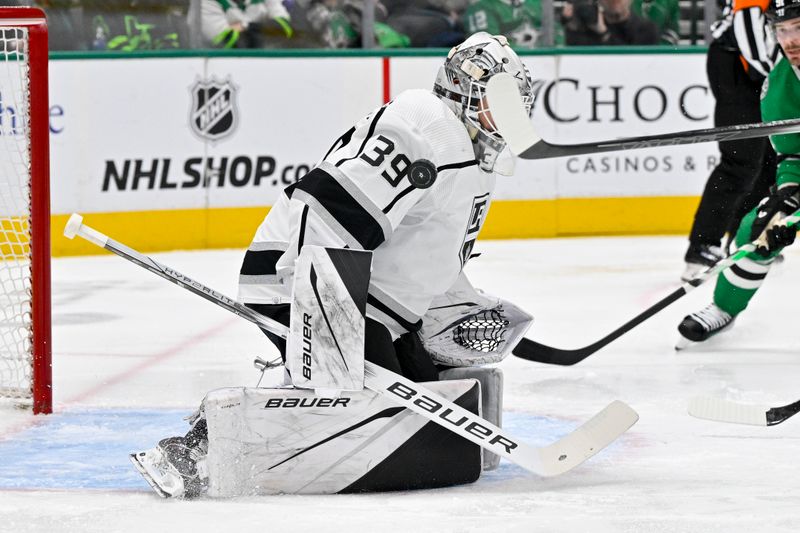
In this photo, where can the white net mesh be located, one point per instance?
(15, 193)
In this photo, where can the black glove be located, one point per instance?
(778, 236)
(770, 210)
(781, 202)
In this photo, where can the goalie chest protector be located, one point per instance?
(289, 441)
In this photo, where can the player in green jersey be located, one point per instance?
(519, 20)
(663, 13)
(780, 99)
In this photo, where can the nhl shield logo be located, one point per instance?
(213, 114)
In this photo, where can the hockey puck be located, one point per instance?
(422, 173)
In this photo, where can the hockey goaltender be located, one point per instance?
(359, 264)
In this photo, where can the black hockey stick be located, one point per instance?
(545, 150)
(551, 460)
(541, 353)
(516, 128)
(737, 413)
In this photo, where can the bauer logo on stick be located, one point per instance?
(422, 173)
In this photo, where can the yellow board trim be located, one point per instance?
(158, 231)
(564, 217)
(190, 229)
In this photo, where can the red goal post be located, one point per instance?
(25, 329)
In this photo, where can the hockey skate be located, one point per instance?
(174, 469)
(700, 326)
(699, 257)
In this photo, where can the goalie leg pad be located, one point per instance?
(491, 380)
(271, 441)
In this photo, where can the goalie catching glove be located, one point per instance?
(466, 327)
(767, 227)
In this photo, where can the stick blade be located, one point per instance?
(541, 353)
(508, 113)
(586, 441)
(709, 408)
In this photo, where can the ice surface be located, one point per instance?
(133, 354)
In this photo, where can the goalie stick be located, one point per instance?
(505, 104)
(541, 353)
(721, 410)
(557, 458)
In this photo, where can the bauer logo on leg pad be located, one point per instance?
(306, 346)
(288, 403)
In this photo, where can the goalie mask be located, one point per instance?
(461, 84)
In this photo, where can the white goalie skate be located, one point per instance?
(156, 470)
(172, 469)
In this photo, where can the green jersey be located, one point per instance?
(663, 13)
(519, 20)
(780, 100)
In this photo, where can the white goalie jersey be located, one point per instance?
(360, 196)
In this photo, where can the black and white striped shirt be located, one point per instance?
(743, 27)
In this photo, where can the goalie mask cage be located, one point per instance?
(25, 371)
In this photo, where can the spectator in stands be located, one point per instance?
(398, 24)
(330, 23)
(427, 22)
(605, 22)
(239, 23)
(665, 14)
(519, 20)
(131, 25)
(64, 29)
(311, 22)
(338, 24)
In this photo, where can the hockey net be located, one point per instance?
(25, 374)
